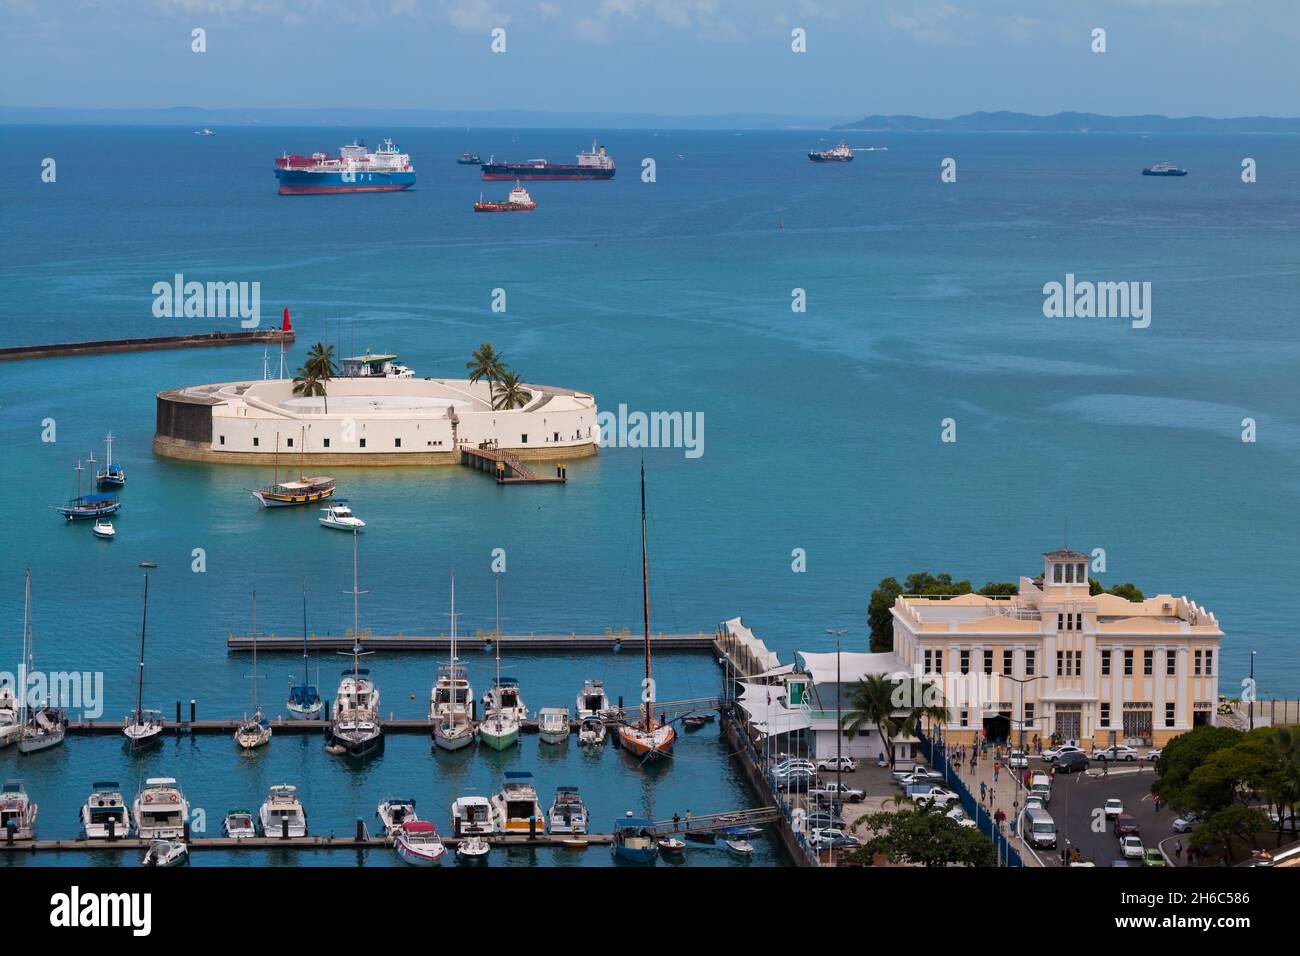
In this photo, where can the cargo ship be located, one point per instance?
(1164, 169)
(354, 170)
(517, 201)
(596, 164)
(469, 159)
(843, 153)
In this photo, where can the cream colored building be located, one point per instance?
(1056, 660)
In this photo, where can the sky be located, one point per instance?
(672, 57)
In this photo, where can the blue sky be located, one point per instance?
(675, 57)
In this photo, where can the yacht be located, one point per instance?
(304, 699)
(45, 726)
(282, 813)
(471, 815)
(452, 699)
(11, 727)
(591, 732)
(340, 517)
(166, 853)
(254, 731)
(394, 813)
(1164, 169)
(160, 810)
(502, 707)
(103, 528)
(356, 730)
(553, 725)
(592, 701)
(239, 825)
(105, 814)
(568, 814)
(515, 808)
(504, 698)
(417, 842)
(17, 810)
(142, 728)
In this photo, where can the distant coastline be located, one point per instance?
(1007, 122)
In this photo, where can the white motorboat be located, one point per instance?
(515, 808)
(671, 846)
(553, 725)
(256, 730)
(166, 853)
(282, 814)
(452, 698)
(592, 701)
(45, 726)
(17, 810)
(340, 517)
(105, 814)
(417, 842)
(473, 849)
(160, 810)
(11, 727)
(395, 812)
(142, 728)
(568, 814)
(591, 733)
(504, 698)
(471, 815)
(239, 825)
(742, 849)
(103, 528)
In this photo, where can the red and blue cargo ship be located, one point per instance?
(354, 170)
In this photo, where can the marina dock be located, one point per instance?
(506, 468)
(610, 641)
(198, 340)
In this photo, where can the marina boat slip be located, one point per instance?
(417, 842)
(592, 700)
(595, 164)
(304, 701)
(1164, 169)
(112, 475)
(592, 732)
(160, 810)
(43, 727)
(17, 810)
(239, 825)
(568, 814)
(553, 725)
(11, 727)
(354, 170)
(256, 730)
(282, 813)
(472, 814)
(166, 853)
(339, 516)
(394, 812)
(82, 507)
(105, 813)
(517, 201)
(843, 153)
(451, 701)
(634, 840)
(142, 728)
(515, 808)
(288, 494)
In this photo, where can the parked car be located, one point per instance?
(1154, 754)
(1113, 807)
(1118, 752)
(839, 791)
(1071, 762)
(822, 820)
(958, 816)
(924, 793)
(1034, 802)
(1018, 760)
(1153, 857)
(845, 764)
(796, 780)
(793, 763)
(1131, 847)
(1126, 824)
(918, 775)
(832, 838)
(1052, 753)
(1185, 823)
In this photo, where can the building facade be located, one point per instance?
(1059, 663)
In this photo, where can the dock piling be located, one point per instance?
(193, 710)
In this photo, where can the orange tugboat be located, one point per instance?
(517, 201)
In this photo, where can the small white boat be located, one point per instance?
(553, 725)
(103, 529)
(394, 813)
(471, 815)
(473, 849)
(166, 853)
(740, 848)
(417, 842)
(282, 814)
(592, 732)
(238, 825)
(105, 813)
(17, 810)
(340, 517)
(160, 810)
(142, 727)
(11, 728)
(671, 846)
(255, 731)
(568, 813)
(592, 701)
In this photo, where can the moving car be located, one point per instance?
(1126, 824)
(1154, 754)
(917, 775)
(1153, 857)
(1052, 753)
(1185, 823)
(822, 820)
(1018, 760)
(845, 764)
(1131, 847)
(1113, 807)
(1040, 827)
(1118, 752)
(1071, 762)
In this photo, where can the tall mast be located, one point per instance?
(647, 696)
(356, 619)
(302, 451)
(453, 635)
(496, 640)
(139, 681)
(254, 653)
(27, 645)
(304, 631)
(108, 464)
(277, 459)
(78, 481)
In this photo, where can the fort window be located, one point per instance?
(1029, 663)
(327, 442)
(523, 439)
(1128, 663)
(221, 439)
(1148, 663)
(1169, 714)
(255, 441)
(1105, 663)
(1105, 714)
(363, 443)
(397, 443)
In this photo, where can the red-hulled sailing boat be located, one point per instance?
(646, 738)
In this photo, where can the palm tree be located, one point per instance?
(486, 362)
(510, 392)
(319, 368)
(307, 383)
(872, 700)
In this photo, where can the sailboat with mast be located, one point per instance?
(304, 699)
(256, 730)
(88, 506)
(500, 726)
(304, 491)
(356, 729)
(449, 703)
(142, 728)
(646, 738)
(44, 726)
(112, 476)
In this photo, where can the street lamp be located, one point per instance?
(1021, 681)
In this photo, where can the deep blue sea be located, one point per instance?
(822, 428)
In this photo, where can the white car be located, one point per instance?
(830, 838)
(1034, 802)
(1114, 807)
(842, 791)
(845, 764)
(794, 763)
(1018, 760)
(936, 795)
(1131, 847)
(1185, 823)
(958, 816)
(1115, 753)
(1154, 754)
(919, 775)
(899, 772)
(1051, 753)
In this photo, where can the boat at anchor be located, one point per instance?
(288, 494)
(82, 507)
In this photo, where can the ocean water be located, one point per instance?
(822, 428)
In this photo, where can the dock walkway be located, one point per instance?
(511, 643)
(506, 468)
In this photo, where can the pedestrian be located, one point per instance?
(995, 773)
(1105, 768)
(983, 789)
(1157, 803)
(1178, 848)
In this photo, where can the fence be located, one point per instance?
(794, 839)
(1007, 855)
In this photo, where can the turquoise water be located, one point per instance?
(821, 429)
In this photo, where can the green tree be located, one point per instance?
(1182, 755)
(486, 362)
(1227, 827)
(879, 619)
(1127, 590)
(923, 836)
(306, 383)
(999, 589)
(872, 703)
(320, 367)
(509, 392)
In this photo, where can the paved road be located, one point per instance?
(1077, 800)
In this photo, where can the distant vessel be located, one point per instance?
(591, 733)
(469, 159)
(451, 699)
(592, 701)
(394, 812)
(356, 728)
(502, 706)
(843, 153)
(354, 170)
(112, 476)
(205, 132)
(304, 699)
(1164, 169)
(88, 506)
(470, 815)
(417, 842)
(166, 853)
(103, 528)
(633, 840)
(238, 825)
(596, 164)
(142, 727)
(339, 516)
(568, 814)
(256, 730)
(374, 366)
(517, 201)
(553, 725)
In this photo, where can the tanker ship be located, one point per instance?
(354, 170)
(596, 164)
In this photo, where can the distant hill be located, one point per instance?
(1006, 122)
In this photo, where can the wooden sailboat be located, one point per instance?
(304, 491)
(44, 726)
(647, 738)
(500, 726)
(449, 708)
(254, 731)
(88, 506)
(142, 728)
